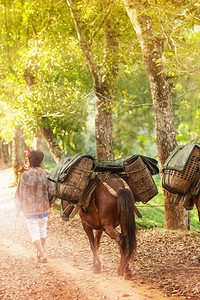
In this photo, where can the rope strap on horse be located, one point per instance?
(125, 184)
(114, 193)
(111, 190)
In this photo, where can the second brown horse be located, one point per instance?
(104, 213)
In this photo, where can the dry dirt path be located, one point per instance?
(68, 273)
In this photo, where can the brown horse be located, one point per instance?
(104, 213)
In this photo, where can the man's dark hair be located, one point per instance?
(35, 158)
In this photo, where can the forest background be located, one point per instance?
(76, 74)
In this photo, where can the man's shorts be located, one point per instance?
(37, 227)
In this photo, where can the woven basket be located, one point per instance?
(180, 181)
(140, 181)
(73, 188)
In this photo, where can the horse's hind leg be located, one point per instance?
(120, 268)
(114, 234)
(98, 238)
(123, 266)
(127, 272)
(96, 261)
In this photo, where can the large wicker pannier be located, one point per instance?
(179, 182)
(140, 181)
(73, 187)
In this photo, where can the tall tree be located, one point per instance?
(103, 72)
(38, 67)
(4, 153)
(18, 158)
(152, 48)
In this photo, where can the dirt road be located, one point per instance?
(68, 273)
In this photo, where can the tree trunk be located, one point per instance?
(53, 146)
(18, 146)
(103, 128)
(38, 143)
(4, 153)
(102, 82)
(176, 217)
(152, 47)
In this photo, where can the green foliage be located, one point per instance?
(134, 130)
(38, 39)
(187, 110)
(194, 225)
(43, 83)
(49, 162)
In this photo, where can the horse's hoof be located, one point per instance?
(65, 217)
(119, 273)
(127, 276)
(97, 269)
(97, 272)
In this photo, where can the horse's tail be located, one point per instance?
(127, 221)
